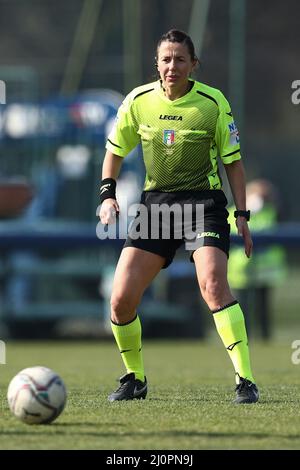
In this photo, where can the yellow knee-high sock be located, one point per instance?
(230, 325)
(129, 341)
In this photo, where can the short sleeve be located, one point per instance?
(227, 134)
(123, 137)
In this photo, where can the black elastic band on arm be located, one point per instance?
(107, 189)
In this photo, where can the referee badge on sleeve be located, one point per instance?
(234, 133)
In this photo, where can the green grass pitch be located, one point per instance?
(188, 405)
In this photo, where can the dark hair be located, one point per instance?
(175, 35)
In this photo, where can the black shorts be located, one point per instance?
(170, 234)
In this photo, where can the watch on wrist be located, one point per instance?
(245, 214)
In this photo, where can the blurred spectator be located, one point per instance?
(15, 195)
(254, 278)
(19, 287)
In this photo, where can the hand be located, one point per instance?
(243, 231)
(109, 211)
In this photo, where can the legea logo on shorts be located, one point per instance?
(208, 234)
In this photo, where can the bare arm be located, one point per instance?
(111, 168)
(236, 177)
(111, 165)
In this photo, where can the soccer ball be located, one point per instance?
(36, 395)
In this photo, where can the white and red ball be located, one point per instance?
(37, 395)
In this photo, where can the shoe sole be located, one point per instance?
(244, 402)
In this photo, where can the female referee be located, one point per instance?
(184, 126)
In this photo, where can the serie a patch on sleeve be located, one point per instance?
(234, 133)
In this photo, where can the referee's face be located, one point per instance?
(174, 64)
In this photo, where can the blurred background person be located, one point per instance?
(253, 279)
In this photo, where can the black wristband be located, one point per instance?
(245, 214)
(108, 189)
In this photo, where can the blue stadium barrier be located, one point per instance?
(15, 235)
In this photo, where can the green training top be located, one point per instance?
(181, 139)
